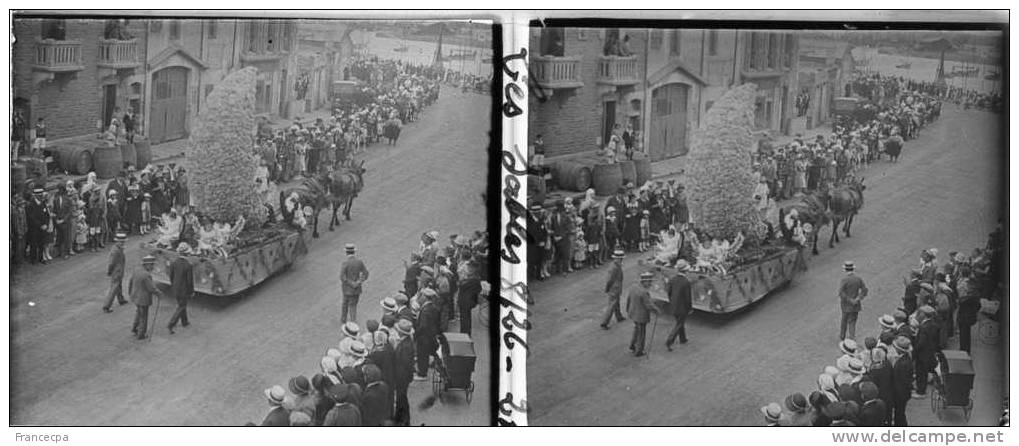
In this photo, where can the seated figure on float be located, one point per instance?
(170, 226)
(668, 247)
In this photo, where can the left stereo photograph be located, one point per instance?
(249, 221)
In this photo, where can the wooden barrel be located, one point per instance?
(128, 155)
(536, 189)
(607, 178)
(642, 167)
(19, 174)
(143, 152)
(108, 161)
(629, 172)
(573, 176)
(77, 159)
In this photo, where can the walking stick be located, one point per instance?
(651, 343)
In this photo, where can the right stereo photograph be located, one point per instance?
(754, 226)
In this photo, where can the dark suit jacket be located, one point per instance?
(141, 288)
(678, 289)
(882, 378)
(384, 359)
(873, 413)
(375, 407)
(36, 216)
(428, 324)
(614, 284)
(902, 378)
(469, 290)
(343, 414)
(278, 416)
(116, 267)
(928, 340)
(62, 208)
(561, 225)
(352, 270)
(851, 287)
(638, 305)
(403, 364)
(182, 281)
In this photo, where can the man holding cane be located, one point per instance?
(141, 289)
(639, 308)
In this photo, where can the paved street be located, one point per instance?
(943, 193)
(71, 364)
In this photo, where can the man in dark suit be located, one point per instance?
(141, 288)
(852, 290)
(467, 299)
(639, 308)
(428, 327)
(62, 221)
(562, 228)
(116, 272)
(678, 289)
(182, 286)
(536, 235)
(376, 406)
(928, 344)
(902, 380)
(404, 371)
(873, 411)
(277, 416)
(614, 289)
(37, 219)
(353, 274)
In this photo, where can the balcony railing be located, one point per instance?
(118, 53)
(556, 72)
(618, 70)
(58, 56)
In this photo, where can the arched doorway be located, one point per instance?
(168, 119)
(667, 136)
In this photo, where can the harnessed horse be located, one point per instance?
(811, 208)
(333, 188)
(844, 201)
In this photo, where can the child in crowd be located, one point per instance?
(146, 219)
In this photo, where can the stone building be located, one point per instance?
(579, 94)
(77, 74)
(825, 72)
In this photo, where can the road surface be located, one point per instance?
(72, 364)
(942, 193)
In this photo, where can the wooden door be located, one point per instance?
(667, 136)
(109, 103)
(168, 120)
(608, 121)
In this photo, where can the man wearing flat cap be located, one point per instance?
(182, 286)
(141, 288)
(852, 290)
(353, 274)
(639, 308)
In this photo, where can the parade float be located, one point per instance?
(238, 248)
(728, 252)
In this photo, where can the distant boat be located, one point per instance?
(904, 65)
(401, 49)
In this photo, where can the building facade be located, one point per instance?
(581, 94)
(77, 74)
(825, 73)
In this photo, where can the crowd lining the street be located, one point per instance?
(364, 379)
(872, 382)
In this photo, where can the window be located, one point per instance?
(656, 39)
(581, 33)
(156, 26)
(552, 42)
(55, 29)
(790, 49)
(174, 29)
(212, 29)
(674, 42)
(713, 42)
(773, 50)
(208, 89)
(707, 106)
